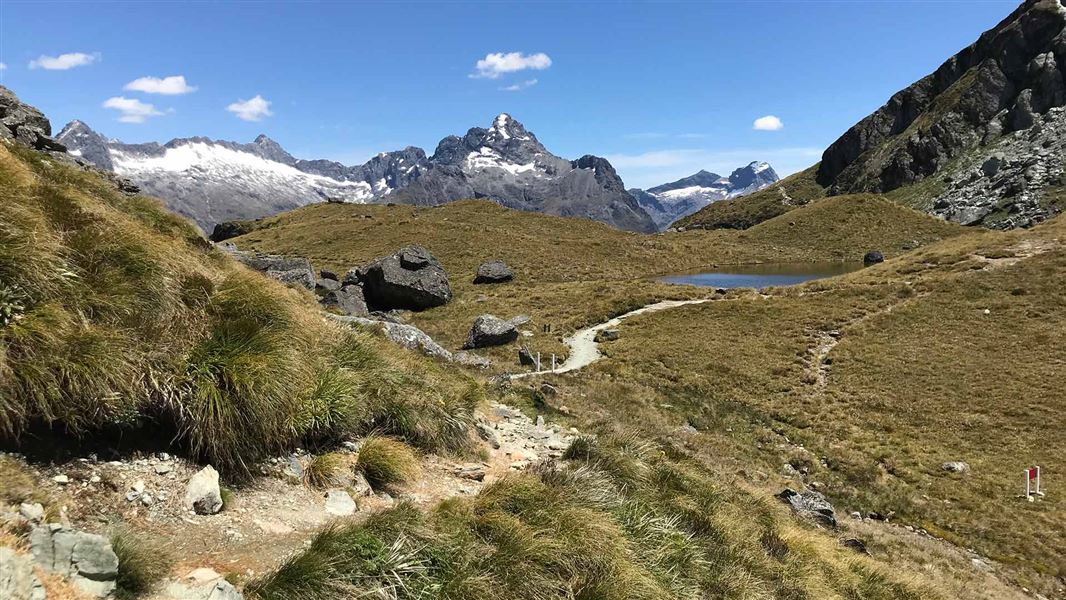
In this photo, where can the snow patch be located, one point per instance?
(487, 158)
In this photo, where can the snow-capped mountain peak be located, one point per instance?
(669, 202)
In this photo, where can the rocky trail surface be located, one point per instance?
(263, 522)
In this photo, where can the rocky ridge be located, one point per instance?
(1001, 95)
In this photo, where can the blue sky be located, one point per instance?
(662, 89)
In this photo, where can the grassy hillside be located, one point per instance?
(618, 518)
(117, 318)
(744, 212)
(572, 272)
(921, 375)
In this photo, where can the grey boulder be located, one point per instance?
(489, 330)
(494, 271)
(410, 279)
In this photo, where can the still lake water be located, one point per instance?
(764, 275)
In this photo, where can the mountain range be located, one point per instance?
(213, 181)
(669, 202)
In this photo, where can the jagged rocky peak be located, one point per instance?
(271, 150)
(1003, 95)
(508, 164)
(669, 202)
(756, 174)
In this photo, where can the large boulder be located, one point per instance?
(200, 584)
(86, 559)
(494, 271)
(410, 279)
(203, 493)
(489, 330)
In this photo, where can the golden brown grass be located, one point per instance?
(570, 272)
(744, 212)
(921, 376)
(118, 316)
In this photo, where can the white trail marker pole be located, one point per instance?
(553, 362)
(1032, 475)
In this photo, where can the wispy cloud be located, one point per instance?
(169, 86)
(648, 169)
(496, 64)
(768, 123)
(253, 109)
(3, 66)
(521, 85)
(64, 61)
(131, 110)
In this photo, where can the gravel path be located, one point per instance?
(583, 347)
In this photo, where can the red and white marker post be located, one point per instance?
(1032, 475)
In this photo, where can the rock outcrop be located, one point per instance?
(86, 559)
(17, 579)
(1003, 94)
(25, 124)
(286, 269)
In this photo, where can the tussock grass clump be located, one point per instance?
(117, 315)
(142, 564)
(386, 462)
(622, 519)
(326, 470)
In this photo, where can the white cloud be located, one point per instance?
(3, 66)
(64, 61)
(521, 85)
(253, 109)
(131, 110)
(497, 63)
(169, 86)
(649, 169)
(768, 123)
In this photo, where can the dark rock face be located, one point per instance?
(231, 229)
(489, 330)
(810, 503)
(410, 279)
(25, 124)
(525, 357)
(494, 271)
(1013, 79)
(671, 201)
(507, 164)
(873, 257)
